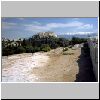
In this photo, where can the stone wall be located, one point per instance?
(94, 55)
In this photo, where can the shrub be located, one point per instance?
(29, 49)
(45, 47)
(63, 42)
(7, 52)
(64, 53)
(76, 40)
(36, 49)
(20, 50)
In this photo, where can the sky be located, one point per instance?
(15, 28)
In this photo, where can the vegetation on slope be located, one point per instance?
(35, 44)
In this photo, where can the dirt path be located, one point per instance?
(61, 68)
(17, 68)
(53, 66)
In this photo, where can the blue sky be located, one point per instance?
(14, 28)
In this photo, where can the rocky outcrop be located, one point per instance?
(46, 34)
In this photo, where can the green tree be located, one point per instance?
(20, 50)
(45, 47)
(29, 49)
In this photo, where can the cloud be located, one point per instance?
(6, 25)
(63, 25)
(78, 33)
(95, 30)
(49, 26)
(36, 28)
(20, 18)
(86, 26)
(36, 23)
(75, 19)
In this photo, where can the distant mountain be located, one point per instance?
(77, 35)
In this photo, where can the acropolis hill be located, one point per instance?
(46, 34)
